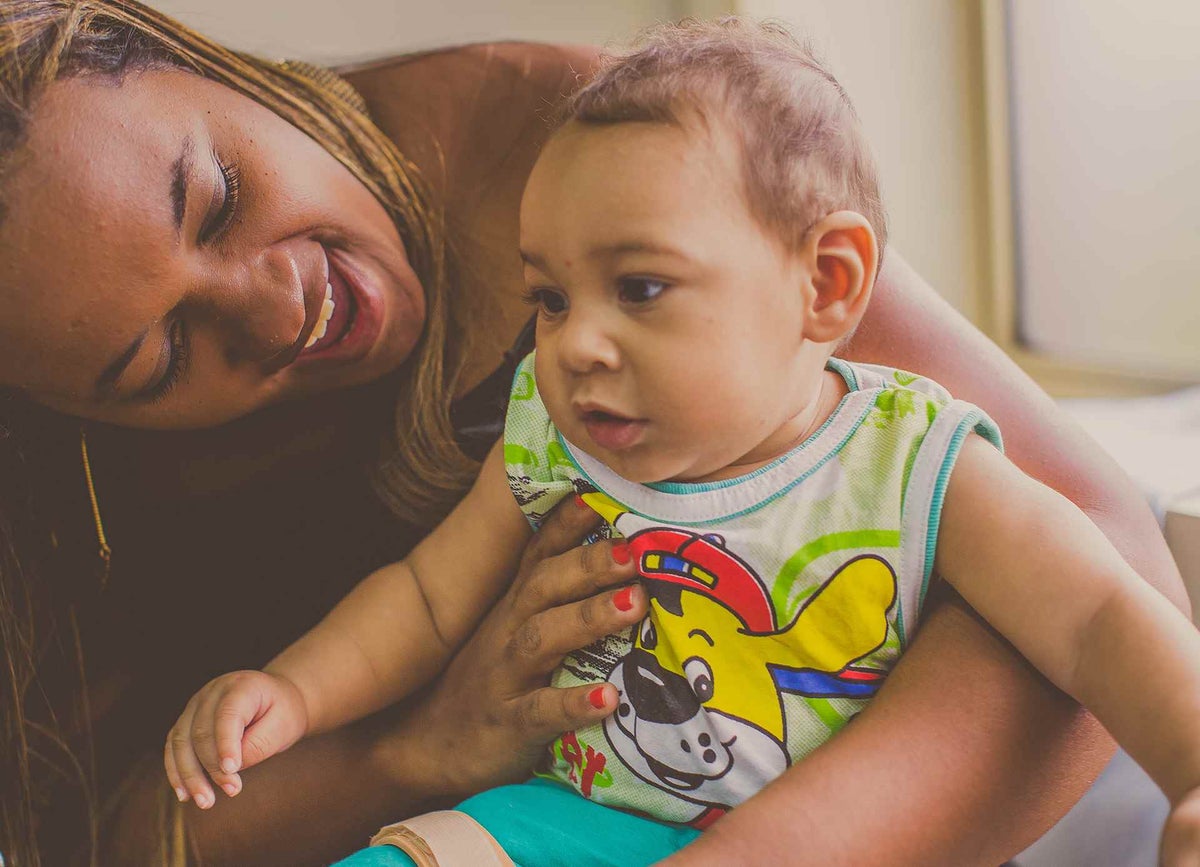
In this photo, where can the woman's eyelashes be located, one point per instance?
(225, 202)
(176, 364)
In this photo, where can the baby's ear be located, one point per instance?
(843, 252)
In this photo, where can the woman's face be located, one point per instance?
(174, 255)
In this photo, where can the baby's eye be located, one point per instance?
(549, 301)
(639, 290)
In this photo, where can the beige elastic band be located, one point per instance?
(446, 838)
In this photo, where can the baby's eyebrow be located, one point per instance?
(181, 169)
(532, 259)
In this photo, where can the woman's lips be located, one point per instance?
(357, 317)
(613, 432)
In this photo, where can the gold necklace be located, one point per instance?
(105, 550)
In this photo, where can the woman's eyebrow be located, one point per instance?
(181, 169)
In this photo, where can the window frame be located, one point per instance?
(996, 299)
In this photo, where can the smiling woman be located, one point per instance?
(221, 275)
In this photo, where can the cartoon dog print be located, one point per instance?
(700, 713)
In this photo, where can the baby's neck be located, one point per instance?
(826, 397)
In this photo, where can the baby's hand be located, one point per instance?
(1181, 836)
(232, 723)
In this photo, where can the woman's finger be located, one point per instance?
(539, 644)
(581, 572)
(545, 713)
(563, 529)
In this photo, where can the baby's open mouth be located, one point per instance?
(611, 431)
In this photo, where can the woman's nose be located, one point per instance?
(587, 343)
(259, 306)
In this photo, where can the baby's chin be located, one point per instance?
(648, 468)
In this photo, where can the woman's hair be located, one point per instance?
(803, 151)
(421, 474)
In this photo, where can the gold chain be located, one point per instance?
(105, 551)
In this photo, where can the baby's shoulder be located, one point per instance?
(860, 376)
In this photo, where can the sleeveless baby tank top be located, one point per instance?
(779, 600)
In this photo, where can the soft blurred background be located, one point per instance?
(1041, 167)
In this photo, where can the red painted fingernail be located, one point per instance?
(620, 553)
(596, 697)
(579, 501)
(623, 599)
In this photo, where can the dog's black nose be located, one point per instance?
(657, 695)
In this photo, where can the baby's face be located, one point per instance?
(670, 324)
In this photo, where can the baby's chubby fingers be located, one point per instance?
(173, 776)
(219, 706)
(184, 770)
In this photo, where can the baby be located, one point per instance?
(698, 237)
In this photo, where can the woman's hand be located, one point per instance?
(234, 722)
(490, 715)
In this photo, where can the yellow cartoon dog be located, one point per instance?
(700, 712)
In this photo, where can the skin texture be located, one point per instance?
(965, 756)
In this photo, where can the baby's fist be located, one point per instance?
(234, 722)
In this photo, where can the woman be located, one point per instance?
(167, 244)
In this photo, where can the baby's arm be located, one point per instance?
(1042, 574)
(388, 637)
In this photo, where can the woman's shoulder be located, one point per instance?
(522, 58)
(500, 86)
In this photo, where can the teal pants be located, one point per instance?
(545, 824)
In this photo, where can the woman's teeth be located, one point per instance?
(323, 317)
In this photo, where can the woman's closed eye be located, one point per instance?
(226, 193)
(640, 290)
(177, 360)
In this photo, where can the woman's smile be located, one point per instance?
(355, 318)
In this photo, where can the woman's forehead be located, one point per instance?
(91, 143)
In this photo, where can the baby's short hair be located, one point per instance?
(804, 153)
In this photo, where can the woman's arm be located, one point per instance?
(967, 755)
(483, 724)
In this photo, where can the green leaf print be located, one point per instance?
(798, 562)
(523, 387)
(557, 455)
(519, 456)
